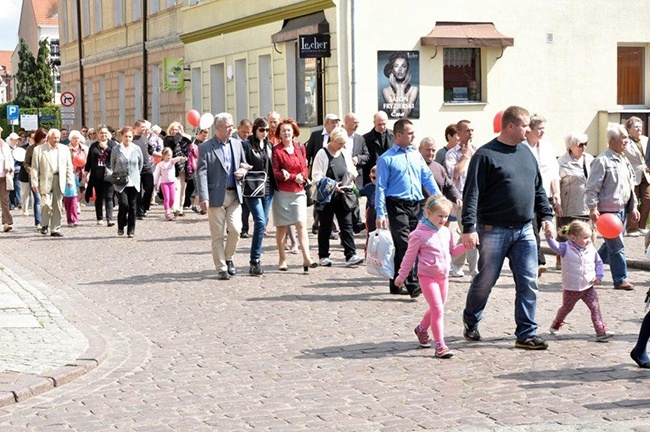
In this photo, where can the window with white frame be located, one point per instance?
(462, 74)
(265, 83)
(118, 12)
(217, 88)
(137, 9)
(73, 15)
(154, 6)
(241, 89)
(171, 3)
(98, 16)
(197, 97)
(86, 17)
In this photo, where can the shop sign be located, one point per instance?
(314, 46)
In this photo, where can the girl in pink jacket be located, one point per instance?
(165, 178)
(432, 244)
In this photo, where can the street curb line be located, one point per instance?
(26, 385)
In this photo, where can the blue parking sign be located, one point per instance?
(12, 112)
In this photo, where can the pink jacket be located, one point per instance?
(165, 172)
(434, 250)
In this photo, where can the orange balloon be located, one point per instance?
(609, 225)
(193, 117)
(79, 160)
(497, 121)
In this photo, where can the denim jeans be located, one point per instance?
(612, 252)
(259, 208)
(497, 244)
(14, 195)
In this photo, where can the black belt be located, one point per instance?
(399, 200)
(231, 188)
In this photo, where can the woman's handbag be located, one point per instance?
(255, 184)
(308, 193)
(120, 179)
(350, 200)
(380, 255)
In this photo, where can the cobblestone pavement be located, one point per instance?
(328, 350)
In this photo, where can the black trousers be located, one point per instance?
(245, 216)
(335, 207)
(128, 200)
(146, 191)
(189, 191)
(403, 217)
(103, 198)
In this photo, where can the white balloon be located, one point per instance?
(19, 154)
(206, 121)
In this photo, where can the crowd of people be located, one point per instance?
(502, 195)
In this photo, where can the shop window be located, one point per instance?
(462, 74)
(630, 82)
(306, 91)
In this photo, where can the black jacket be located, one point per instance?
(261, 160)
(375, 150)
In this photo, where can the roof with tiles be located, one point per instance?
(46, 12)
(5, 60)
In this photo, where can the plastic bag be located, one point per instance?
(380, 256)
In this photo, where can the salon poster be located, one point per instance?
(398, 74)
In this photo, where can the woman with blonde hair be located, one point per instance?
(179, 143)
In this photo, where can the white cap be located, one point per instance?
(332, 117)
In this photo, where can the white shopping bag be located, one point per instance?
(381, 254)
(647, 252)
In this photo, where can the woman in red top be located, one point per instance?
(290, 202)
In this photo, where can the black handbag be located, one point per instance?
(255, 184)
(108, 174)
(120, 179)
(310, 200)
(350, 200)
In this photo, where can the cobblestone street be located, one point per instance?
(163, 345)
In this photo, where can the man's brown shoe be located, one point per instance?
(625, 286)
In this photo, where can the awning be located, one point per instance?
(307, 24)
(459, 34)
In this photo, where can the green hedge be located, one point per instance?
(47, 111)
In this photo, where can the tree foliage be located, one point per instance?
(34, 76)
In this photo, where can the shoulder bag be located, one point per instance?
(255, 184)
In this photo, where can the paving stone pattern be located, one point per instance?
(327, 350)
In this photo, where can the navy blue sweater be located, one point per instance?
(503, 188)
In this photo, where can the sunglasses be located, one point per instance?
(263, 129)
(582, 145)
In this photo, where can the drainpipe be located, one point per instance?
(353, 58)
(145, 61)
(81, 68)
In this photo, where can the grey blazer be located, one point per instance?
(211, 175)
(360, 150)
(133, 165)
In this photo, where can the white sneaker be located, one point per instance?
(353, 260)
(100, 222)
(325, 262)
(644, 231)
(633, 234)
(601, 337)
(554, 331)
(455, 271)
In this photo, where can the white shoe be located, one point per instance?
(601, 337)
(353, 260)
(554, 331)
(633, 234)
(456, 272)
(100, 222)
(644, 231)
(325, 262)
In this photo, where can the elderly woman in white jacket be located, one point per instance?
(333, 162)
(6, 183)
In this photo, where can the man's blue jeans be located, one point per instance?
(612, 252)
(259, 208)
(497, 244)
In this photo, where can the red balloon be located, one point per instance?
(497, 121)
(193, 117)
(609, 225)
(79, 160)
(156, 159)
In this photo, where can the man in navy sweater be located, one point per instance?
(503, 192)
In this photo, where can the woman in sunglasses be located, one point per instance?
(575, 166)
(258, 151)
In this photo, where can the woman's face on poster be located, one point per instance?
(400, 68)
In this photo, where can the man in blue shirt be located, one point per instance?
(401, 173)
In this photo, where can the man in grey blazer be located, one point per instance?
(221, 166)
(358, 151)
(51, 172)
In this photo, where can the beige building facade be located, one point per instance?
(468, 61)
